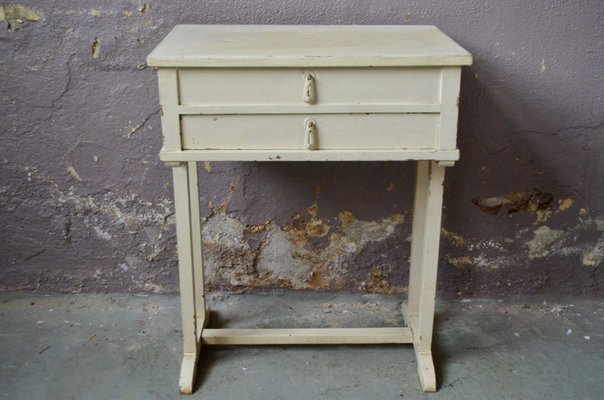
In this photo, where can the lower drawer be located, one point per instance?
(291, 131)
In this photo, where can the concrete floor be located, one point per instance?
(128, 347)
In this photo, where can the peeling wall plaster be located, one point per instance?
(16, 14)
(86, 206)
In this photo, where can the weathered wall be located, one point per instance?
(86, 206)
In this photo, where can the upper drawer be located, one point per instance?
(290, 86)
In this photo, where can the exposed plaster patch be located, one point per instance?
(316, 228)
(541, 243)
(153, 287)
(544, 242)
(130, 232)
(95, 12)
(144, 15)
(228, 257)
(565, 204)
(309, 254)
(102, 234)
(484, 244)
(543, 215)
(313, 210)
(224, 230)
(280, 262)
(363, 232)
(95, 48)
(595, 256)
(14, 14)
(536, 202)
(144, 8)
(128, 211)
(598, 223)
(457, 240)
(258, 228)
(378, 282)
(346, 217)
(477, 261)
(73, 173)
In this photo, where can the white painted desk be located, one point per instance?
(309, 93)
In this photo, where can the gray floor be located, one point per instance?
(127, 347)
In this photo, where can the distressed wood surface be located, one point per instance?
(287, 131)
(381, 108)
(286, 86)
(303, 155)
(186, 270)
(307, 336)
(319, 101)
(168, 103)
(307, 46)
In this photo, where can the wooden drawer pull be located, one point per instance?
(309, 88)
(311, 133)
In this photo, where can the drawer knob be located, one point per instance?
(310, 139)
(309, 88)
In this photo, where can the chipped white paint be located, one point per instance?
(332, 131)
(290, 113)
(248, 87)
(306, 46)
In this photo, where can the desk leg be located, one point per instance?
(424, 265)
(186, 204)
(201, 312)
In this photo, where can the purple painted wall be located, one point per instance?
(85, 204)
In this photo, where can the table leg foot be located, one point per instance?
(187, 373)
(425, 369)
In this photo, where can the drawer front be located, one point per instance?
(329, 86)
(327, 131)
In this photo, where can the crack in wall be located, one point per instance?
(137, 128)
(565, 128)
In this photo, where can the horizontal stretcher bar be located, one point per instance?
(307, 336)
